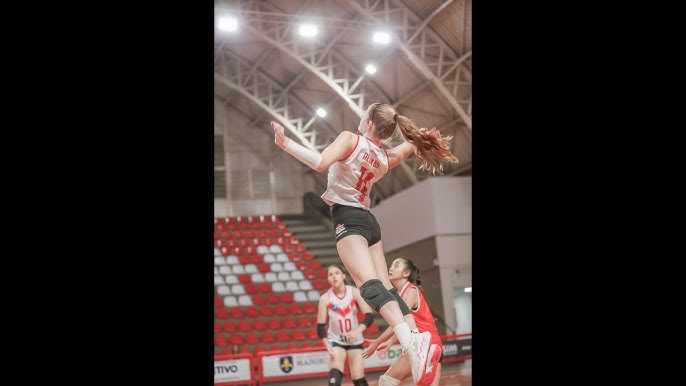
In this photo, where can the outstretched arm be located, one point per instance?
(375, 344)
(340, 147)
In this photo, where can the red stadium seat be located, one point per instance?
(273, 298)
(263, 267)
(251, 288)
(298, 335)
(259, 325)
(291, 346)
(236, 339)
(244, 326)
(218, 302)
(304, 321)
(274, 324)
(286, 297)
(258, 299)
(289, 323)
(266, 311)
(237, 313)
(220, 340)
(252, 338)
(294, 309)
(252, 312)
(229, 326)
(265, 288)
(312, 334)
(309, 308)
(282, 336)
(267, 337)
(276, 347)
(320, 284)
(217, 328)
(281, 309)
(222, 313)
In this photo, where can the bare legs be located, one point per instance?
(366, 263)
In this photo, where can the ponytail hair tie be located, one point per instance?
(395, 117)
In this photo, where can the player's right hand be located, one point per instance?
(280, 138)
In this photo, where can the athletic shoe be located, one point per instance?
(434, 355)
(417, 351)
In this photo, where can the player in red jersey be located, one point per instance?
(404, 275)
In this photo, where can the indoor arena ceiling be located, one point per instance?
(265, 70)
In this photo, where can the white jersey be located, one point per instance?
(342, 316)
(350, 179)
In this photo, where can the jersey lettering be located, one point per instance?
(362, 183)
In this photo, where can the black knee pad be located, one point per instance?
(403, 306)
(335, 377)
(375, 294)
(360, 382)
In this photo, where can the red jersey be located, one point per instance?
(422, 316)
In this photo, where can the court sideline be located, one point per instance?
(452, 374)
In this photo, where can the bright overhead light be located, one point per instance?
(308, 30)
(370, 68)
(228, 24)
(321, 112)
(468, 289)
(382, 37)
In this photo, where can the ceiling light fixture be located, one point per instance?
(308, 30)
(381, 37)
(228, 24)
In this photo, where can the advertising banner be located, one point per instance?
(232, 370)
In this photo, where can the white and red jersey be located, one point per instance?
(351, 178)
(422, 315)
(342, 316)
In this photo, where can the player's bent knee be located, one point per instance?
(375, 294)
(385, 380)
(335, 377)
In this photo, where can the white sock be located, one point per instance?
(402, 331)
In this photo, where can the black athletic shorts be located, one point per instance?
(347, 346)
(350, 220)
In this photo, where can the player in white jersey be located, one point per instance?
(343, 339)
(355, 163)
